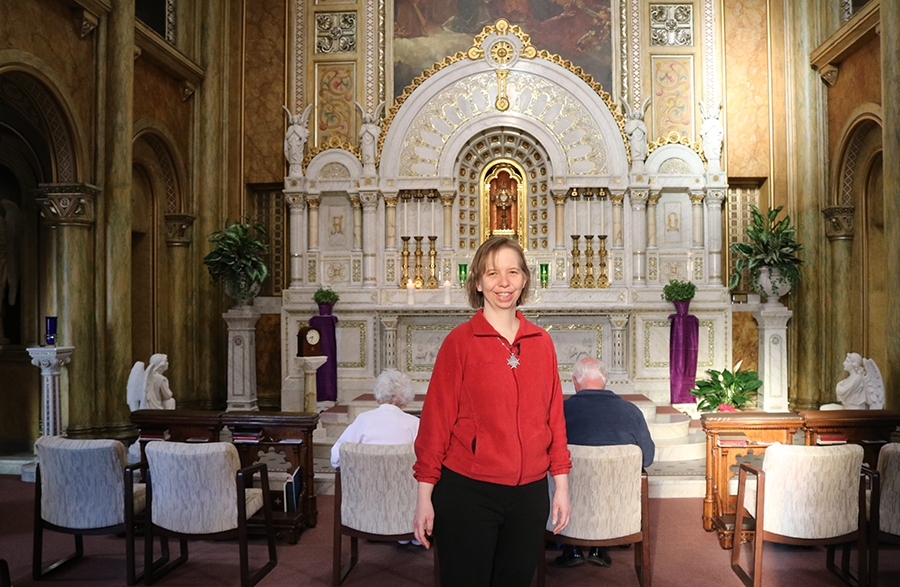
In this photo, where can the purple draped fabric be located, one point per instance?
(683, 342)
(326, 376)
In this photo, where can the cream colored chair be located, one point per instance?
(884, 519)
(374, 498)
(200, 491)
(805, 495)
(610, 504)
(82, 489)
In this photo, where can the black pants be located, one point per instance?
(488, 535)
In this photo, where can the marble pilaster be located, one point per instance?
(773, 363)
(117, 146)
(639, 199)
(389, 346)
(70, 210)
(617, 199)
(618, 368)
(839, 230)
(559, 201)
(370, 218)
(296, 202)
(714, 200)
(890, 89)
(652, 202)
(447, 199)
(313, 229)
(390, 222)
(51, 361)
(357, 222)
(178, 241)
(241, 322)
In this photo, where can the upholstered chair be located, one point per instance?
(884, 516)
(805, 495)
(610, 504)
(374, 498)
(82, 489)
(200, 491)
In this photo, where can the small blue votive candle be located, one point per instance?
(50, 328)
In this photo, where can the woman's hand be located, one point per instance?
(423, 523)
(561, 509)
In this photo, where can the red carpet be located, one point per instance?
(682, 554)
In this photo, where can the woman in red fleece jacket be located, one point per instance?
(492, 427)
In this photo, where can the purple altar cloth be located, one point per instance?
(683, 342)
(326, 376)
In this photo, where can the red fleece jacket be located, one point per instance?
(486, 420)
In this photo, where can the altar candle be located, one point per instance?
(405, 216)
(447, 286)
(410, 293)
(432, 216)
(418, 216)
(588, 231)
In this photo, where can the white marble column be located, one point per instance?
(357, 222)
(447, 199)
(241, 322)
(389, 345)
(51, 360)
(617, 200)
(296, 202)
(652, 202)
(773, 364)
(559, 201)
(714, 199)
(390, 222)
(698, 274)
(312, 235)
(618, 366)
(639, 199)
(369, 202)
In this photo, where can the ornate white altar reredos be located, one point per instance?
(504, 139)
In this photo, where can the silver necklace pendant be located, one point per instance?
(512, 361)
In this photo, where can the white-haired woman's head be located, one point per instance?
(393, 387)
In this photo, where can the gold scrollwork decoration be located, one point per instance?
(333, 142)
(676, 138)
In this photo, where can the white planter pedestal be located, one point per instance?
(51, 360)
(773, 366)
(241, 358)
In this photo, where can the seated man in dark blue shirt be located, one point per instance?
(596, 416)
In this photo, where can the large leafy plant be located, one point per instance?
(771, 244)
(325, 295)
(725, 390)
(236, 253)
(678, 290)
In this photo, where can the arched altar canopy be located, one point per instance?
(512, 86)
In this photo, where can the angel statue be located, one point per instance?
(295, 140)
(636, 129)
(10, 244)
(712, 133)
(148, 389)
(369, 132)
(863, 389)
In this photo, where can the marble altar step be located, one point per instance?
(684, 448)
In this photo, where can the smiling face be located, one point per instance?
(502, 282)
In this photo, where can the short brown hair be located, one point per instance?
(485, 254)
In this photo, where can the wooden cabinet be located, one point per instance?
(283, 440)
(762, 429)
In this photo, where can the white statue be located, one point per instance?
(148, 389)
(369, 132)
(712, 133)
(10, 243)
(636, 129)
(295, 140)
(863, 389)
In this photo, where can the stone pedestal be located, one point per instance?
(241, 357)
(51, 360)
(773, 365)
(302, 400)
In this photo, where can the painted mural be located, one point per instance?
(426, 31)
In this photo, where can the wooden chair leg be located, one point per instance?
(542, 564)
(5, 581)
(437, 564)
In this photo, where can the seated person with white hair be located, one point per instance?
(386, 424)
(596, 416)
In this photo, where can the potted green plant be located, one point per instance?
(235, 259)
(726, 391)
(326, 298)
(679, 293)
(770, 255)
